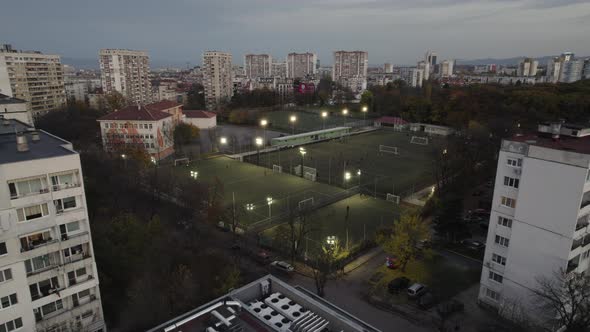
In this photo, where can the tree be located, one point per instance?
(300, 225)
(367, 99)
(324, 266)
(115, 101)
(185, 133)
(196, 97)
(564, 301)
(405, 236)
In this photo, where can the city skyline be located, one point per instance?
(496, 29)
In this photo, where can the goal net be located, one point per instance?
(309, 176)
(277, 168)
(419, 140)
(392, 198)
(182, 161)
(306, 203)
(306, 170)
(388, 149)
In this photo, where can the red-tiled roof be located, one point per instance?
(392, 120)
(162, 105)
(566, 143)
(134, 113)
(199, 114)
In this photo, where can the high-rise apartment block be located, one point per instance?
(565, 68)
(540, 215)
(34, 77)
(431, 59)
(217, 78)
(527, 67)
(301, 65)
(350, 69)
(447, 68)
(388, 68)
(126, 72)
(257, 65)
(279, 69)
(48, 275)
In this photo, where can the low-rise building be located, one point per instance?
(200, 119)
(267, 305)
(431, 129)
(149, 127)
(17, 109)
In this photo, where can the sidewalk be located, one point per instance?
(355, 264)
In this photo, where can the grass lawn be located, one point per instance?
(365, 216)
(250, 184)
(409, 170)
(444, 279)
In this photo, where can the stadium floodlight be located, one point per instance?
(259, 141)
(331, 240)
(347, 176)
(263, 122)
(223, 140)
(345, 111)
(293, 118)
(365, 109)
(324, 114)
(358, 172)
(123, 156)
(249, 206)
(194, 174)
(269, 202)
(153, 160)
(302, 151)
(445, 151)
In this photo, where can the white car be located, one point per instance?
(282, 266)
(416, 290)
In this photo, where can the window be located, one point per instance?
(86, 314)
(65, 203)
(41, 262)
(495, 277)
(63, 181)
(7, 301)
(11, 325)
(3, 250)
(51, 307)
(508, 202)
(32, 241)
(499, 259)
(505, 222)
(80, 272)
(492, 295)
(27, 187)
(32, 212)
(504, 242)
(84, 293)
(43, 288)
(511, 182)
(5, 275)
(150, 125)
(586, 254)
(73, 226)
(514, 162)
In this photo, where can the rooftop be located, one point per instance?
(4, 99)
(48, 146)
(267, 305)
(198, 114)
(149, 112)
(564, 143)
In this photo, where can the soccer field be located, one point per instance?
(380, 173)
(365, 216)
(307, 121)
(251, 185)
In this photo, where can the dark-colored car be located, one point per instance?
(472, 244)
(397, 284)
(450, 307)
(427, 301)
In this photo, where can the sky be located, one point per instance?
(394, 31)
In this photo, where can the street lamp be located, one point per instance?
(263, 124)
(269, 202)
(331, 240)
(153, 160)
(365, 109)
(359, 174)
(124, 156)
(302, 152)
(259, 143)
(293, 119)
(344, 115)
(223, 140)
(194, 174)
(324, 116)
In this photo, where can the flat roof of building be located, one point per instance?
(565, 143)
(267, 305)
(283, 138)
(198, 114)
(4, 99)
(48, 146)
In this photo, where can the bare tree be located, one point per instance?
(324, 266)
(300, 226)
(564, 300)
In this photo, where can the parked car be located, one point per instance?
(397, 284)
(262, 257)
(472, 244)
(426, 301)
(392, 262)
(282, 266)
(450, 307)
(416, 290)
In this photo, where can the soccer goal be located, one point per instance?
(306, 203)
(419, 140)
(182, 161)
(306, 170)
(388, 149)
(277, 168)
(392, 198)
(309, 176)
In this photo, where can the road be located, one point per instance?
(347, 293)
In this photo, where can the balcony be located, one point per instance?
(70, 311)
(17, 196)
(37, 244)
(62, 186)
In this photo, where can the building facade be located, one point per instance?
(257, 65)
(527, 67)
(200, 119)
(279, 70)
(447, 68)
(539, 218)
(301, 65)
(34, 77)
(49, 278)
(350, 70)
(565, 68)
(126, 72)
(17, 109)
(149, 127)
(217, 78)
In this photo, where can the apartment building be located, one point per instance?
(540, 215)
(565, 68)
(527, 67)
(148, 127)
(301, 65)
(217, 78)
(446, 68)
(350, 70)
(126, 72)
(32, 76)
(14, 108)
(257, 65)
(48, 275)
(279, 70)
(267, 304)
